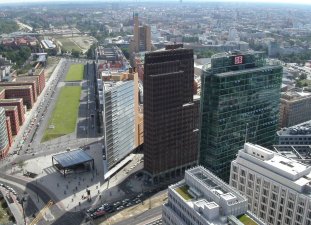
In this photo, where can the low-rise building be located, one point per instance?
(203, 199)
(277, 188)
(296, 135)
(295, 108)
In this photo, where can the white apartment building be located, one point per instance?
(203, 199)
(277, 188)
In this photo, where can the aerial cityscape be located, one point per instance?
(151, 113)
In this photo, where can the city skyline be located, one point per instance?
(298, 2)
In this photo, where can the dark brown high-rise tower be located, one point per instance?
(170, 112)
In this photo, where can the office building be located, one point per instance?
(118, 117)
(277, 188)
(142, 37)
(203, 199)
(18, 102)
(12, 113)
(296, 135)
(4, 141)
(239, 101)
(139, 111)
(24, 92)
(295, 108)
(23, 83)
(171, 113)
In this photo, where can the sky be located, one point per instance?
(248, 1)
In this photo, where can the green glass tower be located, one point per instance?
(239, 102)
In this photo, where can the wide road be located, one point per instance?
(147, 215)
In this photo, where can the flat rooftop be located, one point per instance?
(10, 107)
(276, 166)
(17, 87)
(72, 158)
(202, 189)
(11, 100)
(299, 129)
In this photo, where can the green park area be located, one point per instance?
(75, 73)
(183, 191)
(68, 45)
(64, 117)
(246, 220)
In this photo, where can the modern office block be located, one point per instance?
(4, 141)
(239, 101)
(296, 135)
(118, 116)
(277, 188)
(202, 199)
(295, 108)
(170, 113)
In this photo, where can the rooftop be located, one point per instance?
(11, 100)
(211, 198)
(71, 158)
(299, 129)
(9, 108)
(17, 87)
(277, 167)
(295, 95)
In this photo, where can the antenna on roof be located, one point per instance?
(246, 131)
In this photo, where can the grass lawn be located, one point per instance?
(65, 113)
(246, 220)
(183, 191)
(68, 45)
(75, 73)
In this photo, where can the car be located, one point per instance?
(125, 200)
(116, 204)
(120, 208)
(129, 204)
(91, 211)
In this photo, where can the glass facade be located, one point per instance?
(118, 120)
(239, 102)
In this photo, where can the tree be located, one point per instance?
(75, 53)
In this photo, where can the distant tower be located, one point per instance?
(180, 1)
(142, 36)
